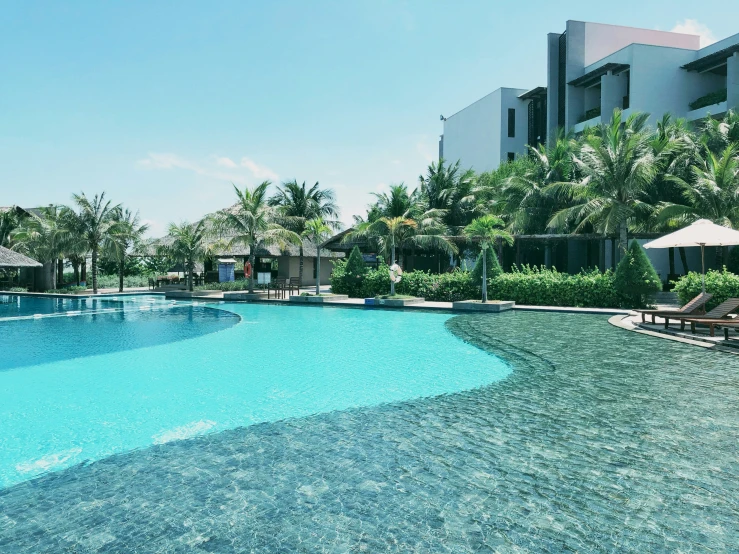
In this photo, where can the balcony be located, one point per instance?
(712, 104)
(591, 118)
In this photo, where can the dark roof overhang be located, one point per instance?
(593, 77)
(706, 63)
(534, 93)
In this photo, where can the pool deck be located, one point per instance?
(701, 337)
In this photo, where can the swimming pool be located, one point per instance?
(81, 388)
(588, 438)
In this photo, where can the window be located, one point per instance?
(511, 122)
(511, 156)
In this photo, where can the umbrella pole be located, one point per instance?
(703, 269)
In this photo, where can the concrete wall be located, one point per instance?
(289, 266)
(600, 39)
(478, 134)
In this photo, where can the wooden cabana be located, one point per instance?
(11, 262)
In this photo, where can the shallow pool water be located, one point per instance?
(81, 388)
(598, 440)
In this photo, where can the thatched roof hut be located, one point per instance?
(10, 258)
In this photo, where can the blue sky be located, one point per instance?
(163, 104)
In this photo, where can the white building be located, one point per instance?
(592, 69)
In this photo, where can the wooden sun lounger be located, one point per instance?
(716, 317)
(695, 307)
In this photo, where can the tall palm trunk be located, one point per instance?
(83, 270)
(300, 272)
(121, 267)
(484, 275)
(60, 272)
(318, 273)
(190, 267)
(252, 261)
(94, 270)
(76, 270)
(392, 261)
(622, 239)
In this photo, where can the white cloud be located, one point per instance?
(226, 162)
(239, 173)
(694, 27)
(425, 149)
(259, 171)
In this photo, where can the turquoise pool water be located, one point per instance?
(82, 388)
(594, 439)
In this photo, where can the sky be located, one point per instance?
(165, 106)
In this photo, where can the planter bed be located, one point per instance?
(393, 302)
(243, 295)
(184, 294)
(489, 306)
(324, 298)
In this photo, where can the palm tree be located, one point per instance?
(524, 196)
(187, 244)
(710, 192)
(393, 232)
(9, 220)
(618, 165)
(127, 235)
(396, 202)
(487, 230)
(317, 231)
(716, 135)
(75, 245)
(251, 222)
(449, 188)
(42, 237)
(296, 205)
(97, 224)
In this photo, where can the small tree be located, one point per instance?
(317, 231)
(492, 266)
(487, 230)
(635, 276)
(355, 271)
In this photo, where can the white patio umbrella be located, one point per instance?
(701, 233)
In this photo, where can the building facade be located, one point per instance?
(593, 69)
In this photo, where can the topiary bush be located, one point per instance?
(636, 277)
(721, 284)
(493, 267)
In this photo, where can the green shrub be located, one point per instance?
(67, 290)
(112, 281)
(709, 99)
(238, 285)
(721, 284)
(635, 276)
(525, 285)
(446, 287)
(493, 267)
(547, 287)
(15, 289)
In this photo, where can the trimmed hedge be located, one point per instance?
(722, 284)
(524, 285)
(548, 287)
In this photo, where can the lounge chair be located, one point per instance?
(716, 317)
(694, 307)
